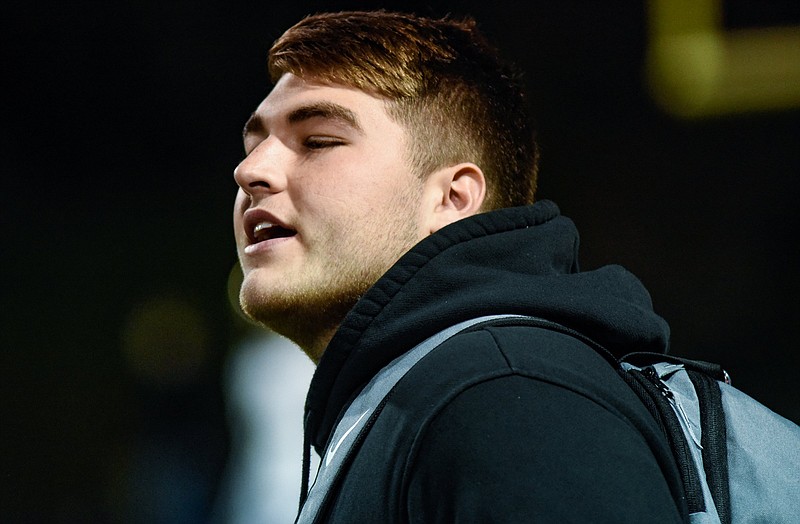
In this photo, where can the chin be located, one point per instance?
(256, 302)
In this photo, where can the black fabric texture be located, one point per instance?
(714, 439)
(503, 423)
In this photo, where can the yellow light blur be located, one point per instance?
(695, 68)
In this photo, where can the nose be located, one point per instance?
(261, 170)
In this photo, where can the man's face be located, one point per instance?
(326, 203)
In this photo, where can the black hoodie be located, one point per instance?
(503, 423)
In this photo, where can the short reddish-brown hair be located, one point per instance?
(458, 100)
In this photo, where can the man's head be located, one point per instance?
(443, 82)
(381, 129)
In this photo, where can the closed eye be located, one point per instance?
(322, 142)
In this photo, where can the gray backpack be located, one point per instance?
(739, 461)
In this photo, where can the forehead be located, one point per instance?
(295, 99)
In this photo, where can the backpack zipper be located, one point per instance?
(663, 398)
(652, 375)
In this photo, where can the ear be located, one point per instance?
(453, 193)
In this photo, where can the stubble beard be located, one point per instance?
(308, 310)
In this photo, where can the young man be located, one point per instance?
(387, 194)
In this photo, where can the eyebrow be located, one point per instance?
(325, 110)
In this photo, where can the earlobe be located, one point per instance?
(460, 191)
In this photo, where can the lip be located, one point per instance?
(250, 219)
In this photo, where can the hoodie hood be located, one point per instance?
(521, 260)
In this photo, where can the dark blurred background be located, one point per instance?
(120, 130)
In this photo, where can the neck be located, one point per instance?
(312, 333)
(314, 346)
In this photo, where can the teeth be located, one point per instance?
(261, 227)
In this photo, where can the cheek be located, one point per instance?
(240, 205)
(328, 198)
(354, 186)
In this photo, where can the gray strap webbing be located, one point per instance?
(355, 418)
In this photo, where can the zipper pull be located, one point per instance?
(652, 375)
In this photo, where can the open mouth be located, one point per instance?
(264, 231)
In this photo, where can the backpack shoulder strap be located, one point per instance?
(643, 358)
(714, 439)
(361, 414)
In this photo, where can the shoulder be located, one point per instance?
(539, 354)
(531, 421)
(512, 378)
